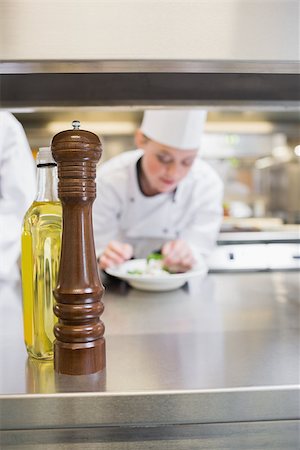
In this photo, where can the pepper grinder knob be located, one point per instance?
(76, 124)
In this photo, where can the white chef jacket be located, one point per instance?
(17, 190)
(193, 212)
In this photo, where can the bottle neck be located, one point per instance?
(46, 183)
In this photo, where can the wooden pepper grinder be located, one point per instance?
(79, 347)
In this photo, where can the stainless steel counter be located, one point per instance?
(213, 365)
(262, 250)
(278, 236)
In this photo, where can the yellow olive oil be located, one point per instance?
(40, 378)
(41, 243)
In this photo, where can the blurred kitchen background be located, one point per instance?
(255, 151)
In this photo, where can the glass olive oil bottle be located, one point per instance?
(41, 243)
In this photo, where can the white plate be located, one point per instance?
(164, 282)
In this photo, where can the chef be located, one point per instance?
(161, 196)
(17, 190)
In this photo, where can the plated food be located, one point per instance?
(141, 274)
(154, 266)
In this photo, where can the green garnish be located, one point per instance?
(135, 272)
(156, 256)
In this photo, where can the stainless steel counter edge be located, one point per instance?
(149, 408)
(150, 66)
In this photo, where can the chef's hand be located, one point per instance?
(114, 254)
(178, 256)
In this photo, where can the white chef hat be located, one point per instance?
(179, 128)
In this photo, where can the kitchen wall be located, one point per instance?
(261, 30)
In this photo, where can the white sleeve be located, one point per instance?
(17, 190)
(106, 215)
(202, 232)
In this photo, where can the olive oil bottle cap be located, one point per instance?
(44, 157)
